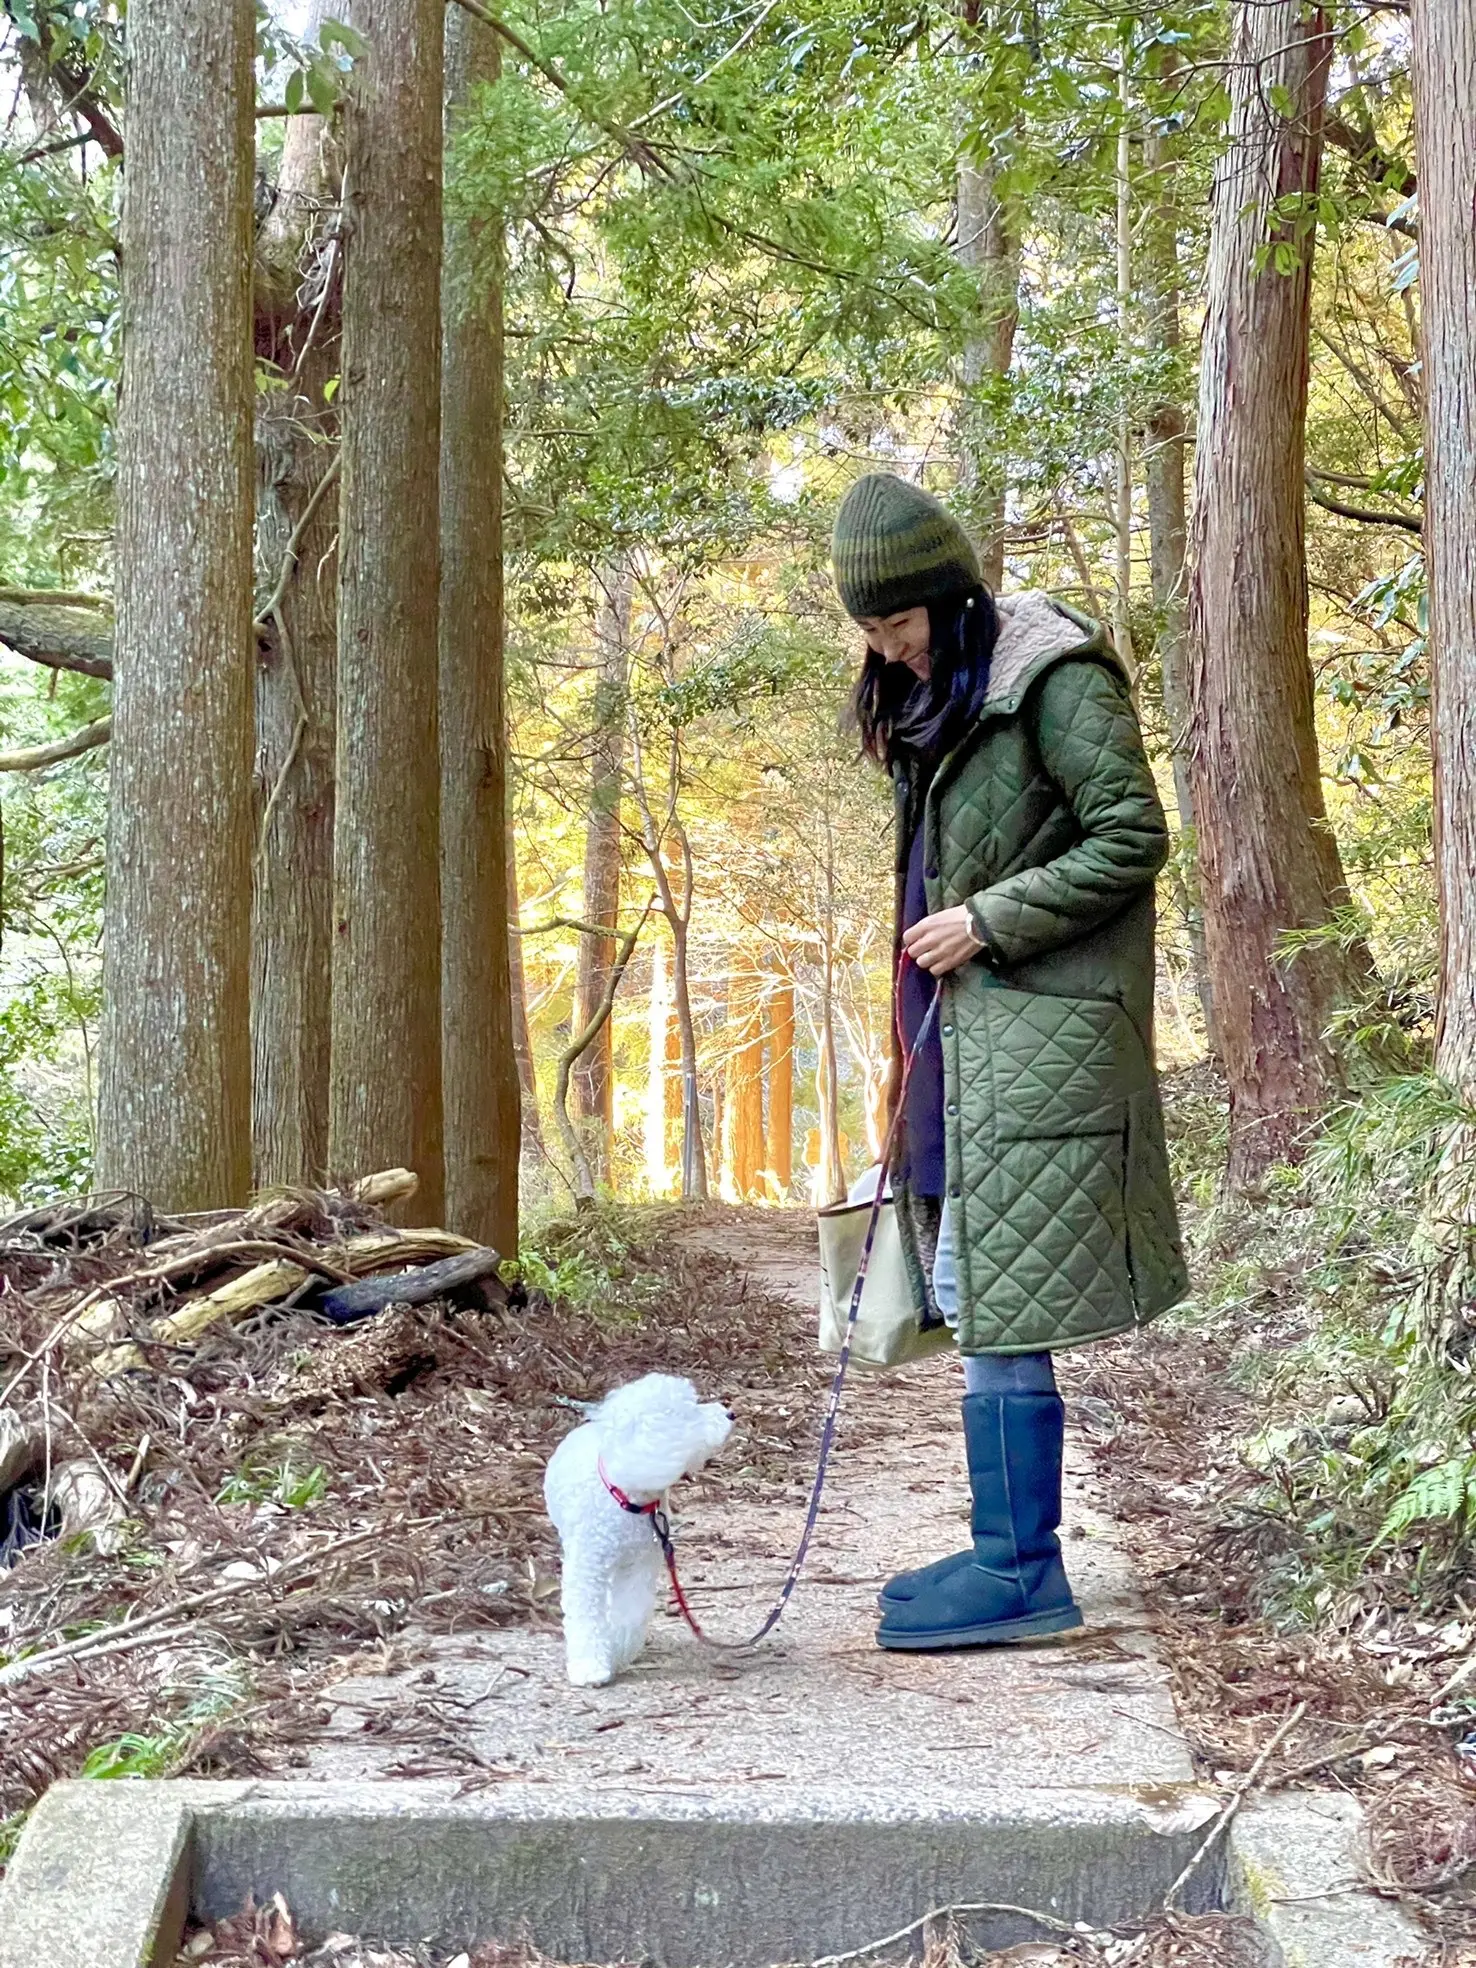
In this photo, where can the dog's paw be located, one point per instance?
(590, 1673)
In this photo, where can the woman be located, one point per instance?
(1032, 1183)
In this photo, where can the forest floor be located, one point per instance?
(341, 1487)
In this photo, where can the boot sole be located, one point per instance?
(994, 1633)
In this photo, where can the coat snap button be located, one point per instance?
(948, 1031)
(952, 1107)
(955, 1193)
(931, 873)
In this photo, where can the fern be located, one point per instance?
(1438, 1495)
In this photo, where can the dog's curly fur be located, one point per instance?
(645, 1435)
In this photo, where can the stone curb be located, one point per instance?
(1296, 1870)
(105, 1873)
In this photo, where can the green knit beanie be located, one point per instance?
(895, 547)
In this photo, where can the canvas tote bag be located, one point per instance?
(889, 1330)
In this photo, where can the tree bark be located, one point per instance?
(779, 1158)
(479, 1059)
(594, 1075)
(989, 246)
(1165, 471)
(298, 314)
(1268, 860)
(385, 1106)
(663, 1078)
(831, 1171)
(1122, 594)
(1444, 73)
(175, 1099)
(531, 1135)
(743, 1086)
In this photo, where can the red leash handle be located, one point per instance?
(660, 1523)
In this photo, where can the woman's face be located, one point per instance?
(902, 638)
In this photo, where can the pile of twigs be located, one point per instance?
(225, 1500)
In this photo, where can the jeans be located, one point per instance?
(985, 1373)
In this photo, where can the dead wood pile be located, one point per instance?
(214, 1497)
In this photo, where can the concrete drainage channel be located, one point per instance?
(107, 1873)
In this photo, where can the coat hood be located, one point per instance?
(1035, 632)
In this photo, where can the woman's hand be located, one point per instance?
(941, 943)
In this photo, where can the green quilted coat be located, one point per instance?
(1046, 824)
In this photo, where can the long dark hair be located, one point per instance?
(898, 715)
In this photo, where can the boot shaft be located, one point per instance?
(1014, 1444)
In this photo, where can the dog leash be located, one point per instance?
(660, 1522)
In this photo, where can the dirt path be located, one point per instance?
(819, 1715)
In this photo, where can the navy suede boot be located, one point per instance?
(1012, 1586)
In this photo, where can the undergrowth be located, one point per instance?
(1362, 1498)
(595, 1259)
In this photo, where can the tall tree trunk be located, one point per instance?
(831, 1172)
(175, 1101)
(779, 1156)
(694, 1149)
(743, 1085)
(678, 913)
(1268, 861)
(298, 312)
(1444, 48)
(594, 1075)
(663, 1077)
(1165, 470)
(1444, 76)
(385, 1106)
(532, 1125)
(479, 1060)
(989, 246)
(1122, 596)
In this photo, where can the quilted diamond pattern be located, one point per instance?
(1047, 822)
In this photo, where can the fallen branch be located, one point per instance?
(1233, 1804)
(1047, 1920)
(418, 1287)
(137, 1628)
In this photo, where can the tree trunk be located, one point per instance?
(743, 1086)
(779, 1158)
(385, 1107)
(663, 1078)
(479, 1060)
(175, 1102)
(532, 1125)
(831, 1173)
(694, 1149)
(1122, 595)
(594, 1075)
(1444, 46)
(1165, 470)
(1444, 76)
(1268, 861)
(989, 246)
(298, 314)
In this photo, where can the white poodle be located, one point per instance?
(634, 1446)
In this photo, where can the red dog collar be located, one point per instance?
(635, 1509)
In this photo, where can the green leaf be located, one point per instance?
(322, 86)
(293, 94)
(338, 34)
(1281, 100)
